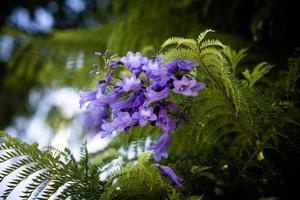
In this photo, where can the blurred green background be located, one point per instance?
(47, 46)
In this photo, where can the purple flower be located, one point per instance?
(164, 122)
(153, 96)
(153, 68)
(109, 115)
(133, 103)
(95, 72)
(122, 121)
(160, 146)
(114, 64)
(108, 78)
(134, 60)
(110, 98)
(187, 86)
(87, 97)
(156, 72)
(97, 97)
(138, 102)
(94, 118)
(127, 103)
(168, 172)
(130, 83)
(161, 80)
(105, 83)
(144, 115)
(183, 65)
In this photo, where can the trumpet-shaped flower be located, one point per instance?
(134, 60)
(144, 116)
(130, 83)
(153, 96)
(141, 98)
(160, 146)
(181, 65)
(187, 86)
(168, 172)
(164, 122)
(122, 121)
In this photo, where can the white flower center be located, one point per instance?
(146, 113)
(134, 60)
(99, 94)
(153, 66)
(183, 87)
(130, 80)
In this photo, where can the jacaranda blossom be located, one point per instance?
(158, 74)
(187, 86)
(123, 105)
(144, 115)
(88, 97)
(122, 121)
(119, 103)
(110, 98)
(168, 172)
(93, 121)
(114, 64)
(164, 122)
(134, 60)
(145, 99)
(181, 65)
(160, 146)
(130, 83)
(153, 96)
(105, 83)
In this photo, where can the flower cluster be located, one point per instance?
(140, 97)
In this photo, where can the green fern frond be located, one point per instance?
(190, 43)
(212, 122)
(180, 53)
(258, 72)
(136, 138)
(212, 52)
(224, 112)
(202, 35)
(138, 181)
(214, 67)
(234, 57)
(57, 170)
(211, 43)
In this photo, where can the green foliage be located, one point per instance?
(140, 180)
(258, 72)
(56, 174)
(213, 67)
(227, 149)
(57, 53)
(181, 41)
(53, 173)
(222, 121)
(234, 57)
